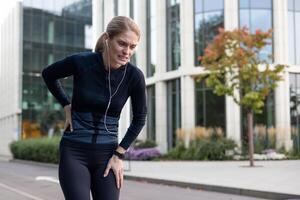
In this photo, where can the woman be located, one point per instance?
(90, 156)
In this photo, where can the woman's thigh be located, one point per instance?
(74, 175)
(104, 188)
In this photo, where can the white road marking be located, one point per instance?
(47, 178)
(20, 192)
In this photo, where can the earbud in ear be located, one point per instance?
(106, 42)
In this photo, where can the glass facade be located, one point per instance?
(151, 37)
(209, 16)
(51, 31)
(294, 31)
(151, 113)
(295, 110)
(210, 108)
(257, 14)
(173, 34)
(173, 111)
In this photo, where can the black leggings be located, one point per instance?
(81, 170)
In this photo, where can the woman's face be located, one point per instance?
(122, 47)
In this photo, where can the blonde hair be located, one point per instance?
(116, 26)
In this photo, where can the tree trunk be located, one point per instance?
(250, 136)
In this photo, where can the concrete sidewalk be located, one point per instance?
(269, 179)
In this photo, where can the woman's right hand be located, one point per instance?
(68, 115)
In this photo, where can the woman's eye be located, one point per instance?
(122, 44)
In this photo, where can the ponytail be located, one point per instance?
(100, 43)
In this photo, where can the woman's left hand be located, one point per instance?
(116, 164)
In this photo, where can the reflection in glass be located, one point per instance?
(214, 5)
(51, 31)
(151, 113)
(173, 34)
(257, 16)
(210, 108)
(173, 111)
(295, 110)
(260, 4)
(244, 4)
(206, 25)
(294, 31)
(151, 39)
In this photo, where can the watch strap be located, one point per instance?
(120, 155)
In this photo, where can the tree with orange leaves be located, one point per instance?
(235, 67)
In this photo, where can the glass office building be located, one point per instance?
(51, 30)
(175, 34)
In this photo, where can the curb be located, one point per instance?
(197, 186)
(215, 188)
(30, 162)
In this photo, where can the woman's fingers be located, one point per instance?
(71, 125)
(117, 178)
(106, 170)
(66, 125)
(121, 177)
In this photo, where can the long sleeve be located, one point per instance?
(139, 110)
(55, 71)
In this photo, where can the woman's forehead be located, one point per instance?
(128, 37)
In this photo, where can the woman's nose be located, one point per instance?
(126, 50)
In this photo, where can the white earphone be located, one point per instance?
(109, 85)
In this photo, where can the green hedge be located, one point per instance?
(37, 149)
(203, 149)
(140, 144)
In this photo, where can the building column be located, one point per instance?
(160, 86)
(187, 103)
(187, 65)
(282, 92)
(123, 8)
(11, 43)
(233, 111)
(97, 19)
(161, 116)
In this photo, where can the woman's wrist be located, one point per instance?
(67, 107)
(120, 150)
(119, 155)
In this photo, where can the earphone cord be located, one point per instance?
(109, 88)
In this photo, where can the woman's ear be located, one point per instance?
(106, 36)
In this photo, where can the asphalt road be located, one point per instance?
(24, 181)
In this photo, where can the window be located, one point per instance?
(210, 108)
(209, 16)
(49, 35)
(151, 38)
(173, 34)
(173, 111)
(255, 15)
(295, 110)
(151, 112)
(294, 31)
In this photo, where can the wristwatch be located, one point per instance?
(120, 155)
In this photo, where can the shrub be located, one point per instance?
(203, 149)
(140, 144)
(37, 149)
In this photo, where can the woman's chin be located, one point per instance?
(122, 62)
